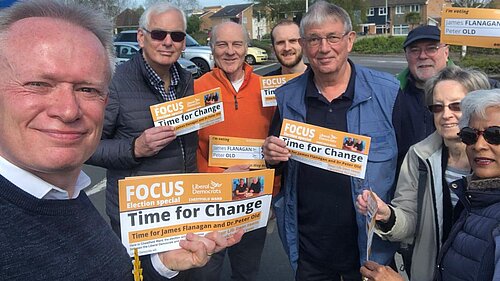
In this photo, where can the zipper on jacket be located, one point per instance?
(181, 144)
(235, 102)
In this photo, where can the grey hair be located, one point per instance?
(322, 11)
(476, 103)
(159, 8)
(76, 14)
(215, 30)
(470, 79)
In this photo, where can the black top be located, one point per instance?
(326, 215)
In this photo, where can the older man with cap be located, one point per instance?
(426, 56)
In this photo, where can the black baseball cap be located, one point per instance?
(429, 32)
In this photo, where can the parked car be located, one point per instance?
(255, 55)
(125, 50)
(199, 55)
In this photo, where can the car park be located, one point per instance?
(199, 55)
(125, 51)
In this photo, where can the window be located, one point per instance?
(400, 30)
(370, 12)
(382, 11)
(415, 8)
(400, 10)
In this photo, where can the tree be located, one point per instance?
(110, 7)
(472, 3)
(275, 10)
(185, 5)
(193, 24)
(413, 18)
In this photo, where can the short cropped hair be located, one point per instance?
(159, 8)
(281, 23)
(476, 103)
(215, 30)
(470, 79)
(76, 14)
(322, 11)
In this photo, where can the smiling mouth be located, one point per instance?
(481, 161)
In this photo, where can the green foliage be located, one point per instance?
(200, 36)
(193, 24)
(379, 45)
(485, 63)
(413, 18)
(263, 44)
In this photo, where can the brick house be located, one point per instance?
(242, 14)
(389, 16)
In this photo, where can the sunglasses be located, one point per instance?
(469, 136)
(437, 108)
(177, 36)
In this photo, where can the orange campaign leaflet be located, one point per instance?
(471, 27)
(191, 113)
(229, 151)
(268, 84)
(156, 212)
(328, 149)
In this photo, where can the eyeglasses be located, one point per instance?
(437, 108)
(332, 39)
(430, 51)
(491, 135)
(177, 36)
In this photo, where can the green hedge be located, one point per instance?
(484, 63)
(484, 59)
(379, 45)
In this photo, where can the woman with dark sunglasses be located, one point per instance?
(472, 251)
(422, 211)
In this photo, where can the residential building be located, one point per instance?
(398, 17)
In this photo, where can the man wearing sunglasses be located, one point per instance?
(131, 145)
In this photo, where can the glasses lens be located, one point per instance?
(468, 135)
(177, 36)
(455, 106)
(492, 135)
(158, 34)
(436, 108)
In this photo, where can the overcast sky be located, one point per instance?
(205, 3)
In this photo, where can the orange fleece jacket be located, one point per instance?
(249, 120)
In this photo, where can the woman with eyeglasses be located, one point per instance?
(422, 211)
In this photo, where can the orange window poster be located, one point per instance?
(471, 27)
(191, 113)
(229, 151)
(327, 149)
(156, 212)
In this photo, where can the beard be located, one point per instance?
(290, 64)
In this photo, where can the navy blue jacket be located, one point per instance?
(472, 251)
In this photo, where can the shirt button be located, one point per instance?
(330, 110)
(454, 186)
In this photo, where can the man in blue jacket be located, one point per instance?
(322, 234)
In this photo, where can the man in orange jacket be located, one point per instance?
(244, 117)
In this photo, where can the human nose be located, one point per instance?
(422, 54)
(168, 40)
(288, 46)
(324, 46)
(65, 104)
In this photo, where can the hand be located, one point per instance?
(275, 150)
(383, 212)
(221, 242)
(375, 272)
(237, 168)
(195, 252)
(152, 140)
